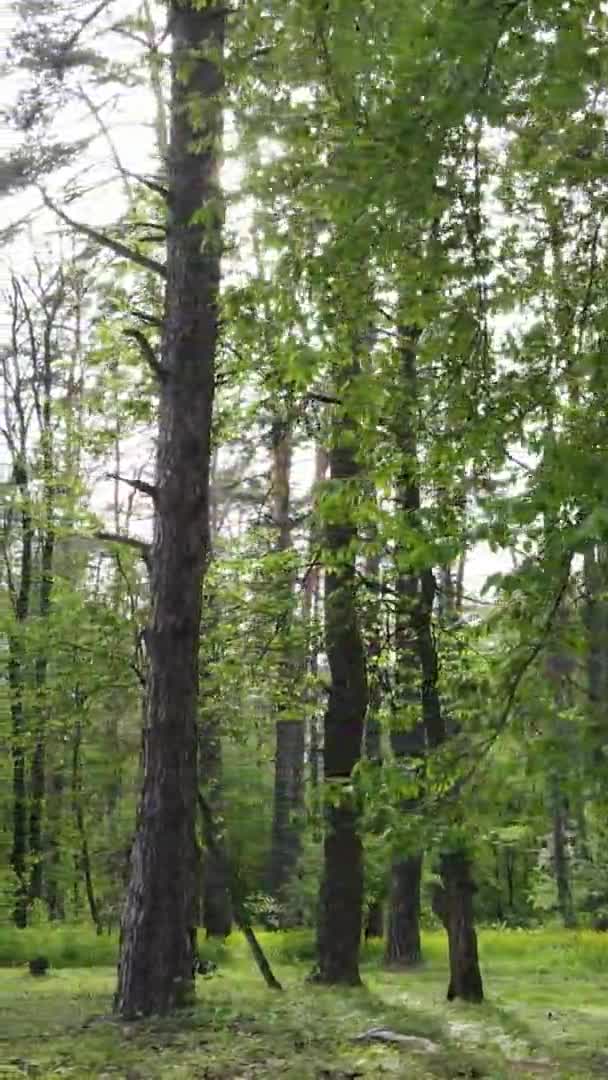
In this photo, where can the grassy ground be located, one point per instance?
(546, 1015)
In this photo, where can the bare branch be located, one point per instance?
(151, 320)
(141, 546)
(148, 353)
(138, 485)
(106, 241)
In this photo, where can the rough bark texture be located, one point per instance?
(453, 902)
(288, 806)
(341, 895)
(158, 936)
(403, 946)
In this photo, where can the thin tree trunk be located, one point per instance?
(341, 894)
(53, 876)
(38, 769)
(417, 596)
(403, 943)
(561, 861)
(16, 681)
(217, 905)
(19, 848)
(240, 914)
(312, 616)
(158, 940)
(457, 885)
(77, 806)
(596, 624)
(288, 806)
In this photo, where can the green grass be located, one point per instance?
(546, 1014)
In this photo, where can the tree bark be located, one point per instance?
(403, 945)
(341, 894)
(158, 938)
(453, 903)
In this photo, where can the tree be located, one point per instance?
(156, 967)
(341, 895)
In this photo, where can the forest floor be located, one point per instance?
(546, 1014)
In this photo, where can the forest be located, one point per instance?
(304, 539)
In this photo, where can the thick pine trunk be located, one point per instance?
(158, 939)
(341, 894)
(288, 804)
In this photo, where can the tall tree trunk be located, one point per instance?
(403, 944)
(16, 682)
(312, 618)
(38, 769)
(415, 615)
(53, 859)
(457, 885)
(561, 861)
(158, 940)
(341, 894)
(84, 861)
(288, 805)
(372, 736)
(560, 667)
(596, 624)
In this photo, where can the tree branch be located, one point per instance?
(151, 320)
(141, 546)
(240, 915)
(138, 485)
(106, 241)
(148, 353)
